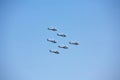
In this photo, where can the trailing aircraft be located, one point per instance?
(50, 40)
(52, 28)
(56, 52)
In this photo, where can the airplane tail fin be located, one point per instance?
(48, 28)
(50, 51)
(69, 42)
(47, 39)
(59, 46)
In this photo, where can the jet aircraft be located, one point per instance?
(50, 40)
(56, 52)
(52, 28)
(74, 43)
(64, 47)
(61, 34)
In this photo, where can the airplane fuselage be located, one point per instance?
(53, 41)
(56, 52)
(62, 35)
(74, 43)
(53, 29)
(65, 47)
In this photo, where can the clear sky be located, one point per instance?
(24, 51)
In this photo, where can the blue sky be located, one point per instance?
(24, 51)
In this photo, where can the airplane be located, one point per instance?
(50, 40)
(56, 52)
(52, 28)
(62, 35)
(74, 43)
(64, 47)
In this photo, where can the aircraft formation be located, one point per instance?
(55, 41)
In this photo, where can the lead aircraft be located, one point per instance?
(74, 43)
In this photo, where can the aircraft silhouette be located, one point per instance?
(62, 35)
(52, 28)
(50, 40)
(56, 52)
(74, 43)
(64, 47)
